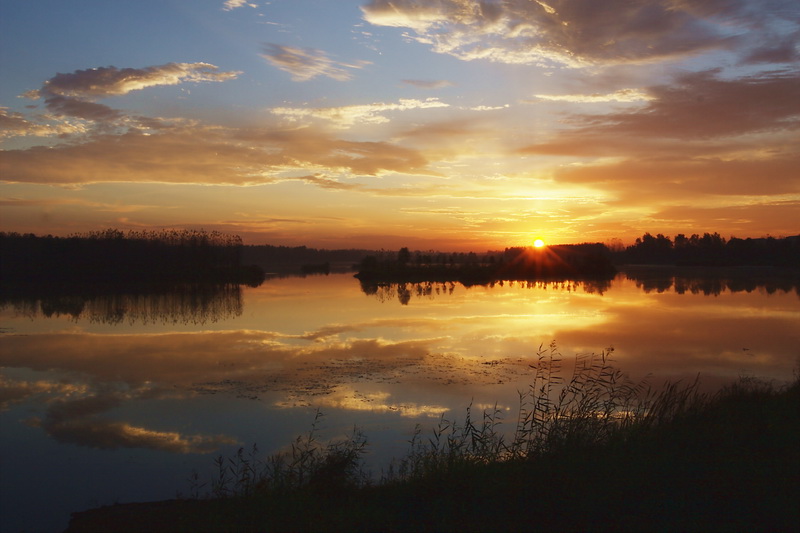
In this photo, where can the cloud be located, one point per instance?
(703, 136)
(74, 94)
(324, 182)
(781, 50)
(701, 107)
(768, 217)
(622, 95)
(665, 176)
(306, 63)
(76, 107)
(112, 81)
(208, 155)
(100, 206)
(17, 125)
(233, 4)
(429, 84)
(345, 116)
(579, 33)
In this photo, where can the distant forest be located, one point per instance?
(296, 259)
(566, 261)
(711, 250)
(183, 256)
(112, 258)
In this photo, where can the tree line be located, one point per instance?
(300, 259)
(115, 257)
(711, 250)
(575, 261)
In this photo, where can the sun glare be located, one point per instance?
(538, 243)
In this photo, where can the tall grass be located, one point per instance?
(591, 450)
(595, 405)
(309, 463)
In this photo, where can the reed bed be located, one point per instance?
(589, 451)
(596, 405)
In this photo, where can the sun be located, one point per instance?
(538, 243)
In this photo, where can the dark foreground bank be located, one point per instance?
(727, 463)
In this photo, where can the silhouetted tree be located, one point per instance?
(403, 256)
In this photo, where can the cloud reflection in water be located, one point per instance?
(293, 349)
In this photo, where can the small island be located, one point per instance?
(566, 261)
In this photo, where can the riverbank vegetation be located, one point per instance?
(592, 451)
(302, 259)
(112, 258)
(575, 261)
(588, 261)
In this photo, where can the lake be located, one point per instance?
(119, 398)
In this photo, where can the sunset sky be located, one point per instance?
(433, 124)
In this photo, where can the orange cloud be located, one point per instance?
(205, 155)
(642, 155)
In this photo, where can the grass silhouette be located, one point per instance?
(594, 452)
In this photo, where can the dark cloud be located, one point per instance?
(74, 94)
(111, 435)
(13, 123)
(700, 105)
(780, 50)
(582, 32)
(112, 81)
(75, 422)
(75, 107)
(697, 107)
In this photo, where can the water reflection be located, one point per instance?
(404, 292)
(704, 281)
(715, 281)
(167, 304)
(171, 390)
(80, 421)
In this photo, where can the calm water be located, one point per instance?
(119, 398)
